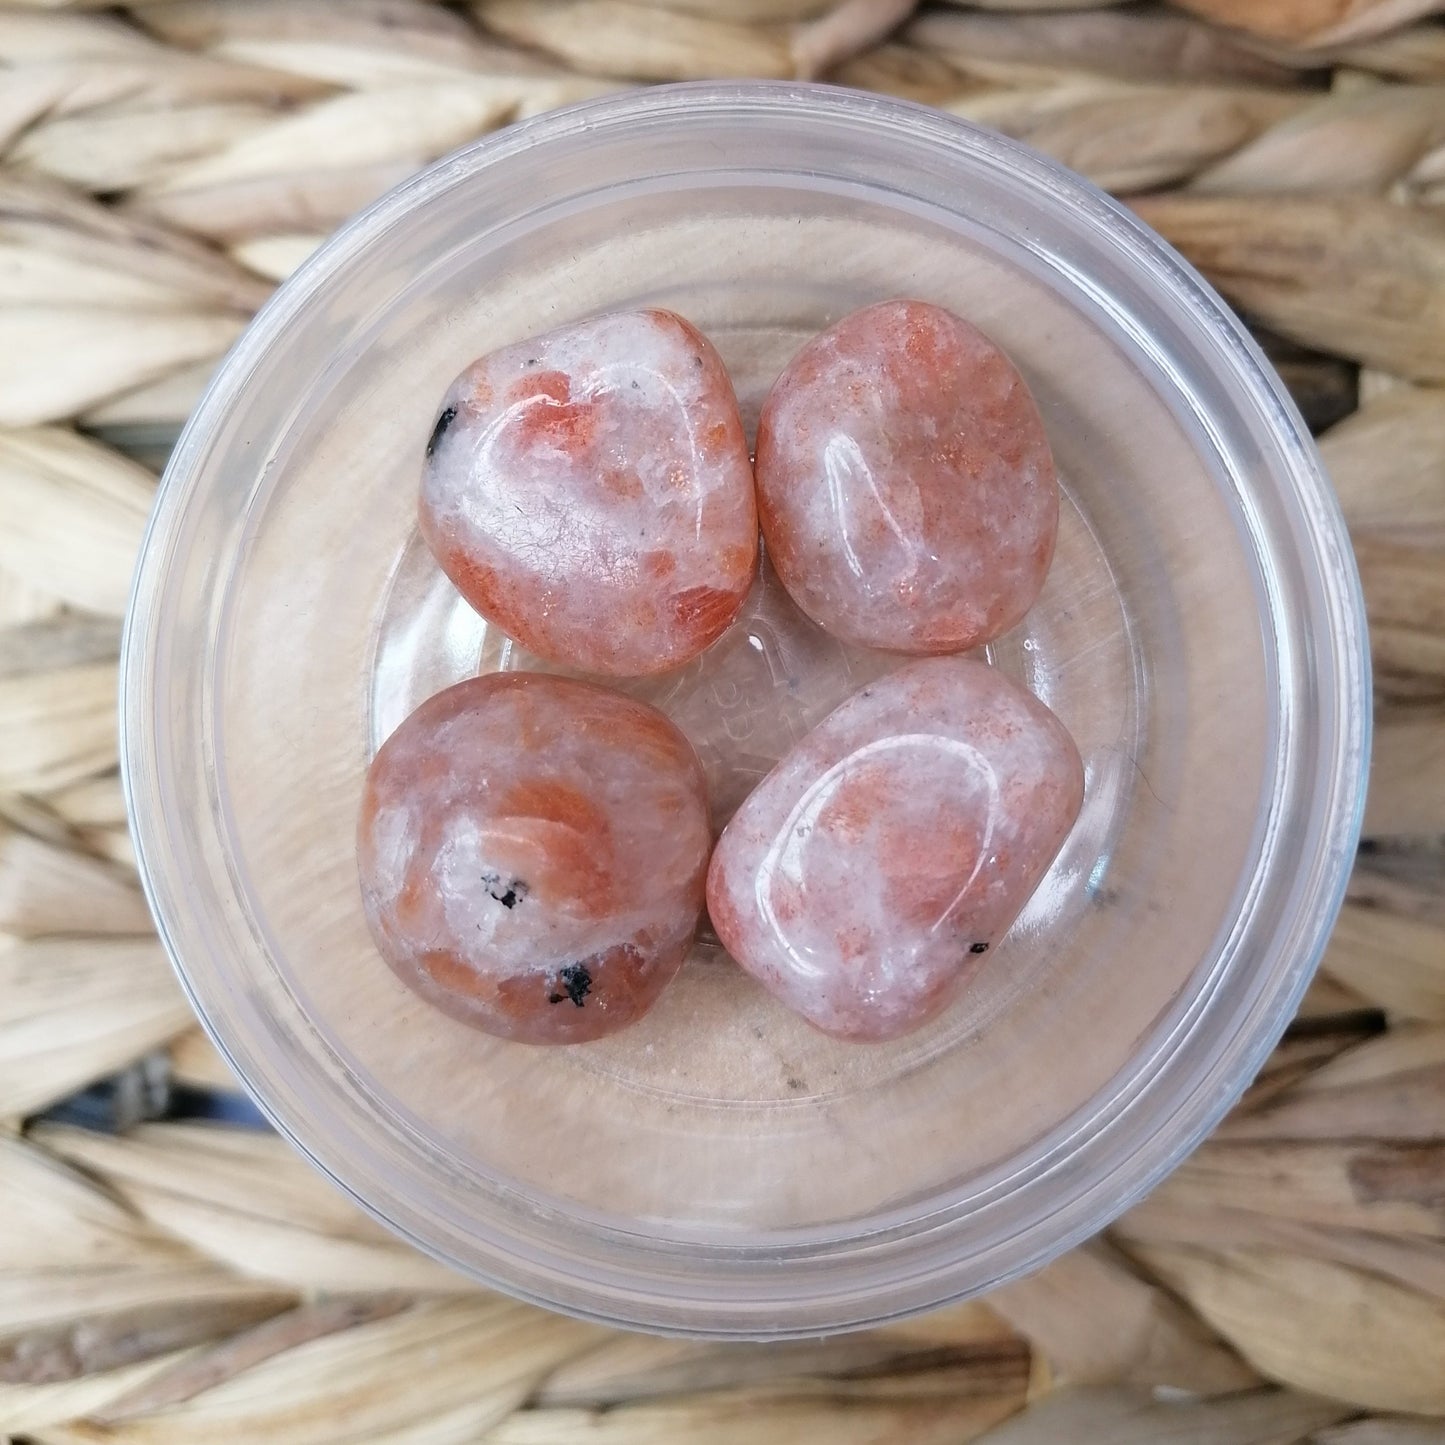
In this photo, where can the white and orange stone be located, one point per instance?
(590, 492)
(907, 493)
(873, 870)
(533, 852)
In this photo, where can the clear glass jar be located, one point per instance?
(719, 1168)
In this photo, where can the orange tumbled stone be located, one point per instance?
(590, 492)
(533, 853)
(869, 874)
(907, 493)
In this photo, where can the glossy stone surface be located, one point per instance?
(533, 853)
(907, 493)
(590, 492)
(881, 861)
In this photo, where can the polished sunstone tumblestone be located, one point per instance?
(590, 492)
(533, 853)
(873, 870)
(907, 493)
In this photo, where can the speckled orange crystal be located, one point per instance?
(590, 492)
(532, 854)
(866, 877)
(906, 489)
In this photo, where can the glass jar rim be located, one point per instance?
(1313, 612)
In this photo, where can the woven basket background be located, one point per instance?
(171, 1280)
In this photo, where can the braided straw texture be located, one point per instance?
(162, 165)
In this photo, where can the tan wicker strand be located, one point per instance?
(1100, 1322)
(627, 40)
(75, 512)
(1387, 462)
(74, 1008)
(1401, 1107)
(47, 888)
(1263, 1417)
(970, 1352)
(1375, 1186)
(1366, 141)
(1394, 1430)
(1150, 44)
(1130, 137)
(1296, 1318)
(1374, 290)
(1418, 1264)
(1313, 22)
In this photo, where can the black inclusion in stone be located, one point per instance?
(440, 429)
(978, 948)
(508, 894)
(578, 983)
